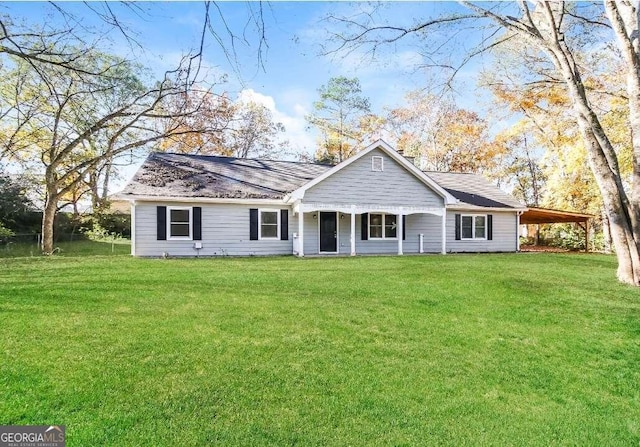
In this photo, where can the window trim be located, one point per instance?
(473, 227)
(383, 227)
(190, 223)
(278, 224)
(375, 158)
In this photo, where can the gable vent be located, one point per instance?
(377, 164)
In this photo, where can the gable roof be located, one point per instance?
(381, 145)
(182, 176)
(202, 176)
(474, 190)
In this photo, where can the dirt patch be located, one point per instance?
(544, 248)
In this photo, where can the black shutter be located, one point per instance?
(197, 223)
(284, 225)
(458, 219)
(490, 227)
(364, 226)
(404, 227)
(253, 222)
(162, 223)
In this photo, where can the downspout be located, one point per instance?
(133, 228)
(518, 214)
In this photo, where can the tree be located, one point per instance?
(240, 129)
(338, 116)
(555, 32)
(202, 133)
(71, 122)
(253, 131)
(60, 77)
(442, 136)
(521, 166)
(14, 200)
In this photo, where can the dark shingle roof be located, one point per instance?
(180, 175)
(474, 189)
(202, 176)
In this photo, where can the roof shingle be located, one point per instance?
(181, 175)
(203, 176)
(474, 189)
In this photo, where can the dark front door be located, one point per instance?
(328, 232)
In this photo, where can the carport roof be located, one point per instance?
(543, 215)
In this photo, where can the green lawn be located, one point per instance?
(75, 248)
(520, 349)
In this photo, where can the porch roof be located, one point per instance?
(361, 208)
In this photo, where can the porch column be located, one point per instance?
(399, 233)
(301, 234)
(444, 231)
(353, 233)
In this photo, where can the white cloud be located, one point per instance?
(300, 140)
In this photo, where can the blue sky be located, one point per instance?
(293, 67)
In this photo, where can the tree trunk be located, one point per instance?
(604, 165)
(48, 217)
(102, 200)
(625, 22)
(606, 233)
(620, 222)
(95, 195)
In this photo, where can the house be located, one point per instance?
(376, 202)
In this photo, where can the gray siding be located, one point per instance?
(505, 233)
(357, 184)
(225, 231)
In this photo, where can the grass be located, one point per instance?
(73, 248)
(520, 349)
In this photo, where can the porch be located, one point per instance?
(351, 229)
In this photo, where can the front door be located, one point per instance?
(328, 232)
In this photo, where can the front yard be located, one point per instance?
(519, 349)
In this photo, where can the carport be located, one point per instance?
(535, 216)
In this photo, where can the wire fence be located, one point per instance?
(72, 244)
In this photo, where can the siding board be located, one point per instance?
(225, 231)
(504, 234)
(356, 183)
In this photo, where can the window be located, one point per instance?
(377, 164)
(269, 224)
(473, 227)
(383, 226)
(467, 227)
(390, 226)
(179, 223)
(375, 226)
(480, 225)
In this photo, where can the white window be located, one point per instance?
(383, 226)
(473, 226)
(179, 223)
(377, 164)
(269, 224)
